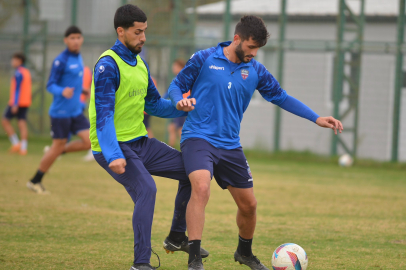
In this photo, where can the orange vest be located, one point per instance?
(24, 99)
(87, 83)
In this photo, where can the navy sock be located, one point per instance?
(178, 237)
(244, 246)
(194, 250)
(37, 177)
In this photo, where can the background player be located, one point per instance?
(222, 80)
(18, 104)
(122, 89)
(66, 111)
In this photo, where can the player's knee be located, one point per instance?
(201, 191)
(249, 207)
(4, 121)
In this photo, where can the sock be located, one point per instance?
(194, 250)
(24, 145)
(37, 177)
(177, 236)
(14, 139)
(244, 247)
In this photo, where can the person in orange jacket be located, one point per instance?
(18, 104)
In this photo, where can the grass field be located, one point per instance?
(345, 218)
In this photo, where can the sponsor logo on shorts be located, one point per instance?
(216, 67)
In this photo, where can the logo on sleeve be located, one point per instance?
(57, 63)
(101, 69)
(244, 73)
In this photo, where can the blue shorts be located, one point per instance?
(61, 128)
(229, 167)
(21, 114)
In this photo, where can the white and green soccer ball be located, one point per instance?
(345, 160)
(289, 256)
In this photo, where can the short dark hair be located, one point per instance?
(72, 30)
(21, 56)
(128, 14)
(254, 27)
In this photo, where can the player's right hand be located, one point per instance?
(68, 92)
(186, 104)
(118, 165)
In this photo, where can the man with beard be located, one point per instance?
(122, 90)
(222, 81)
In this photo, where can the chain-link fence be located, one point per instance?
(340, 57)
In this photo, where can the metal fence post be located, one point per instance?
(227, 20)
(74, 9)
(281, 54)
(26, 27)
(398, 82)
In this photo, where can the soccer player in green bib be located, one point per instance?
(122, 89)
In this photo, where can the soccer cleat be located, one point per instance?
(15, 148)
(196, 264)
(250, 261)
(23, 152)
(142, 266)
(37, 188)
(171, 246)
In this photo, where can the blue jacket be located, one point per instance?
(106, 84)
(223, 90)
(67, 71)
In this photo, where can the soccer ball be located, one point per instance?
(289, 256)
(345, 161)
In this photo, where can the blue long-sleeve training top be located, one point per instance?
(66, 71)
(18, 79)
(106, 84)
(223, 90)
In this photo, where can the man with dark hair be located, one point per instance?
(222, 81)
(18, 104)
(66, 111)
(122, 90)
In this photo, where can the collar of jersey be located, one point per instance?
(70, 53)
(220, 55)
(124, 53)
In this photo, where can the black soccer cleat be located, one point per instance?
(142, 266)
(196, 264)
(250, 261)
(172, 246)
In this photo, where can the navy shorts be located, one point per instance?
(21, 114)
(229, 167)
(61, 128)
(179, 121)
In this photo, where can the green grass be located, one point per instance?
(345, 218)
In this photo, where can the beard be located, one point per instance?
(241, 55)
(133, 49)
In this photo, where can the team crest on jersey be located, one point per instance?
(244, 73)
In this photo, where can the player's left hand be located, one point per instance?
(330, 122)
(14, 109)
